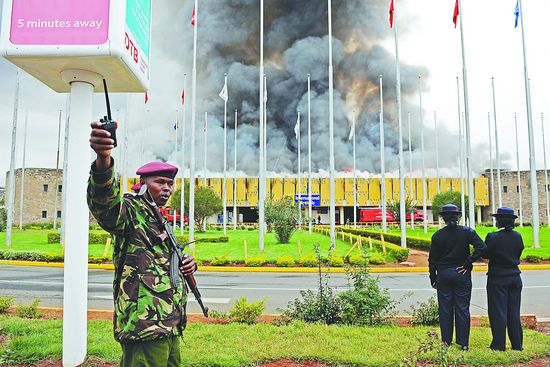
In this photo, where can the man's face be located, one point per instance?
(160, 188)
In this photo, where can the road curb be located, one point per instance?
(242, 269)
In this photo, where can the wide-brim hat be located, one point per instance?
(449, 209)
(504, 212)
(157, 169)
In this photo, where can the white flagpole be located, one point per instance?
(310, 215)
(545, 173)
(519, 174)
(460, 159)
(182, 192)
(205, 130)
(331, 130)
(11, 181)
(193, 126)
(497, 151)
(265, 128)
(261, 186)
(22, 193)
(382, 159)
(299, 172)
(125, 142)
(354, 178)
(56, 173)
(143, 134)
(436, 152)
(175, 160)
(65, 163)
(410, 169)
(225, 160)
(530, 131)
(491, 169)
(235, 176)
(402, 213)
(424, 186)
(469, 174)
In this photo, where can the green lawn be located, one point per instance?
(243, 345)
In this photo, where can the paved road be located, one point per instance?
(219, 289)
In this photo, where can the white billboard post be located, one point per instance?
(71, 45)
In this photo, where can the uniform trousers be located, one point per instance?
(454, 291)
(155, 353)
(503, 301)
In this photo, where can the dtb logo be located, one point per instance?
(131, 47)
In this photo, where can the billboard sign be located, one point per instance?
(137, 35)
(304, 199)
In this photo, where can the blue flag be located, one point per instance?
(175, 125)
(516, 12)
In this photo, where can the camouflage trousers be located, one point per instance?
(156, 353)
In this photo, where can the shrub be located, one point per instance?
(246, 312)
(5, 303)
(54, 237)
(427, 313)
(184, 239)
(285, 261)
(391, 240)
(377, 259)
(219, 315)
(335, 260)
(220, 260)
(309, 261)
(99, 260)
(256, 261)
(282, 216)
(358, 260)
(98, 237)
(30, 311)
(3, 218)
(534, 258)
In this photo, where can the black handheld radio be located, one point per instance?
(107, 122)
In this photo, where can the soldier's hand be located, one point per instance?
(188, 265)
(100, 140)
(462, 270)
(434, 285)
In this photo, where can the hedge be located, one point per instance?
(101, 237)
(184, 239)
(29, 256)
(419, 243)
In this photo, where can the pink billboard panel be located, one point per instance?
(59, 22)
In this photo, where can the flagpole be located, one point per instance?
(382, 159)
(125, 146)
(354, 179)
(491, 168)
(182, 192)
(175, 160)
(410, 170)
(56, 173)
(545, 172)
(530, 131)
(205, 130)
(65, 163)
(11, 185)
(193, 123)
(331, 130)
(424, 186)
(235, 176)
(497, 152)
(22, 193)
(402, 213)
(520, 210)
(469, 174)
(310, 214)
(265, 127)
(299, 172)
(225, 160)
(460, 159)
(261, 186)
(436, 152)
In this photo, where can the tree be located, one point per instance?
(448, 197)
(395, 206)
(3, 215)
(282, 216)
(207, 203)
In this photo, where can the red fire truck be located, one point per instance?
(375, 215)
(169, 215)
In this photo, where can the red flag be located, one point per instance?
(183, 96)
(455, 14)
(391, 13)
(193, 17)
(146, 98)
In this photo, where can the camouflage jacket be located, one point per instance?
(146, 306)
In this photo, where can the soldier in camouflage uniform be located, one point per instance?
(149, 315)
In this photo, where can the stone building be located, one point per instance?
(42, 186)
(509, 191)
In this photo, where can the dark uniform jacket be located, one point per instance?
(504, 248)
(147, 307)
(451, 248)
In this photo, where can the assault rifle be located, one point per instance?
(177, 255)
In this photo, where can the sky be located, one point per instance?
(428, 44)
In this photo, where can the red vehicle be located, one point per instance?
(375, 215)
(169, 215)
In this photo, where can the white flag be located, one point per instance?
(297, 127)
(265, 93)
(352, 131)
(223, 93)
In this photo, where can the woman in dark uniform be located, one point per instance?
(504, 284)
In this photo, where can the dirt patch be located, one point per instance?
(419, 258)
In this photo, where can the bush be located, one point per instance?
(285, 261)
(246, 312)
(220, 260)
(309, 261)
(184, 239)
(5, 303)
(335, 260)
(54, 237)
(427, 313)
(30, 311)
(282, 216)
(534, 258)
(98, 237)
(391, 241)
(29, 256)
(3, 218)
(358, 260)
(377, 259)
(256, 261)
(39, 225)
(219, 315)
(99, 260)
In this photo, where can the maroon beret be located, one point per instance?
(136, 187)
(157, 169)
